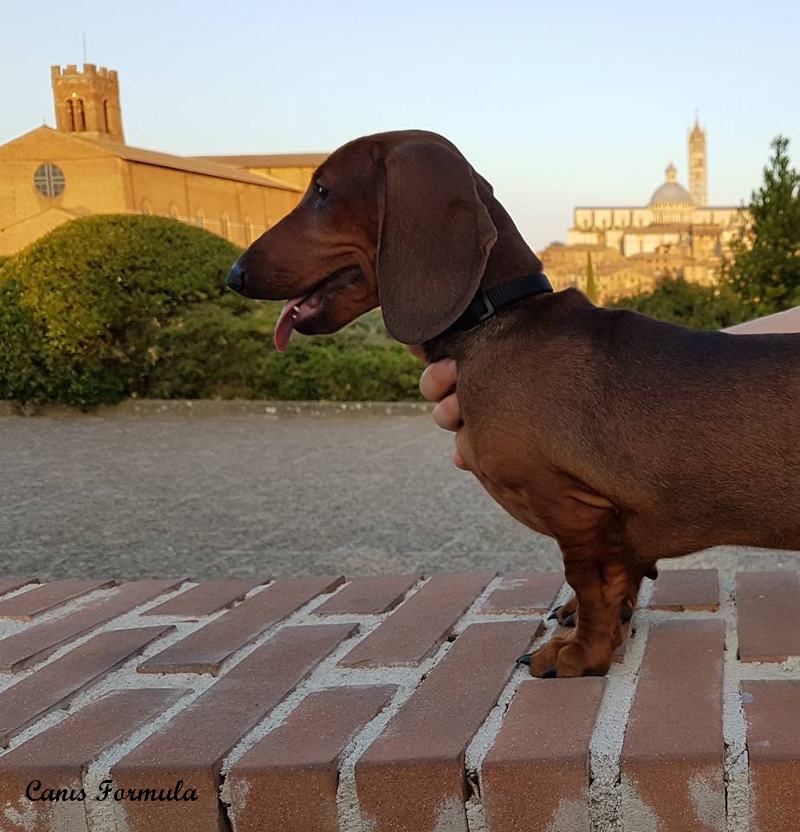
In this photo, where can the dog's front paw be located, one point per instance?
(564, 657)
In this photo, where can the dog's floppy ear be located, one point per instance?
(435, 239)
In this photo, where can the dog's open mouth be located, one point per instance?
(298, 311)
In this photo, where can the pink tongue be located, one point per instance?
(285, 325)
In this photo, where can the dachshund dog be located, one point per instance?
(624, 438)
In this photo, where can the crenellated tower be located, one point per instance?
(87, 102)
(698, 171)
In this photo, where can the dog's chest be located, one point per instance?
(499, 475)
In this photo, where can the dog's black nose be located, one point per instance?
(236, 278)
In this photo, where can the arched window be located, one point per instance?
(147, 208)
(105, 116)
(70, 115)
(248, 231)
(80, 114)
(224, 226)
(173, 211)
(200, 219)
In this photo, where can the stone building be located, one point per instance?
(677, 234)
(291, 167)
(50, 176)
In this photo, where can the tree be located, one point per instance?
(676, 301)
(765, 270)
(591, 285)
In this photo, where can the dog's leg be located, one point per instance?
(602, 582)
(567, 613)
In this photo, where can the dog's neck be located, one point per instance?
(509, 258)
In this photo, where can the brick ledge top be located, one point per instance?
(393, 703)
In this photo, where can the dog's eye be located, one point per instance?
(322, 191)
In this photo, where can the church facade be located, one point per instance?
(83, 166)
(630, 248)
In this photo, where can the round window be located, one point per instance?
(49, 180)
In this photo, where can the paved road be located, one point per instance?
(249, 495)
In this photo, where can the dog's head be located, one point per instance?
(396, 220)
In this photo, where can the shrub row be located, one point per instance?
(224, 350)
(113, 306)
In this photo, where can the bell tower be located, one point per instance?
(698, 172)
(87, 102)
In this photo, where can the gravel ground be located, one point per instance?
(247, 494)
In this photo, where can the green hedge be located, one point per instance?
(225, 350)
(81, 306)
(114, 306)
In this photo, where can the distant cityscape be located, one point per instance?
(83, 166)
(676, 234)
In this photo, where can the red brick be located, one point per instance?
(192, 746)
(412, 777)
(34, 644)
(369, 596)
(55, 684)
(686, 589)
(47, 597)
(58, 757)
(772, 710)
(672, 758)
(207, 597)
(768, 605)
(10, 584)
(536, 775)
(625, 632)
(523, 592)
(416, 629)
(206, 649)
(288, 780)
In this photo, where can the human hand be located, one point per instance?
(437, 384)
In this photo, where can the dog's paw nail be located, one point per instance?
(569, 621)
(525, 658)
(550, 673)
(554, 614)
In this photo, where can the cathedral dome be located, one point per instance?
(671, 192)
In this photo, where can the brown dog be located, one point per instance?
(626, 439)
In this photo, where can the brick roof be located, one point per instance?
(189, 164)
(270, 160)
(396, 699)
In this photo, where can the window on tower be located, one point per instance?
(80, 114)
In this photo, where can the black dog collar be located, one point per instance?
(488, 301)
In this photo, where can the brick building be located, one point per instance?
(50, 176)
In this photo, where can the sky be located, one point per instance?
(558, 104)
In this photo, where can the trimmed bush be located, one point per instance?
(81, 306)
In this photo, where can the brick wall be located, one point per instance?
(393, 703)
